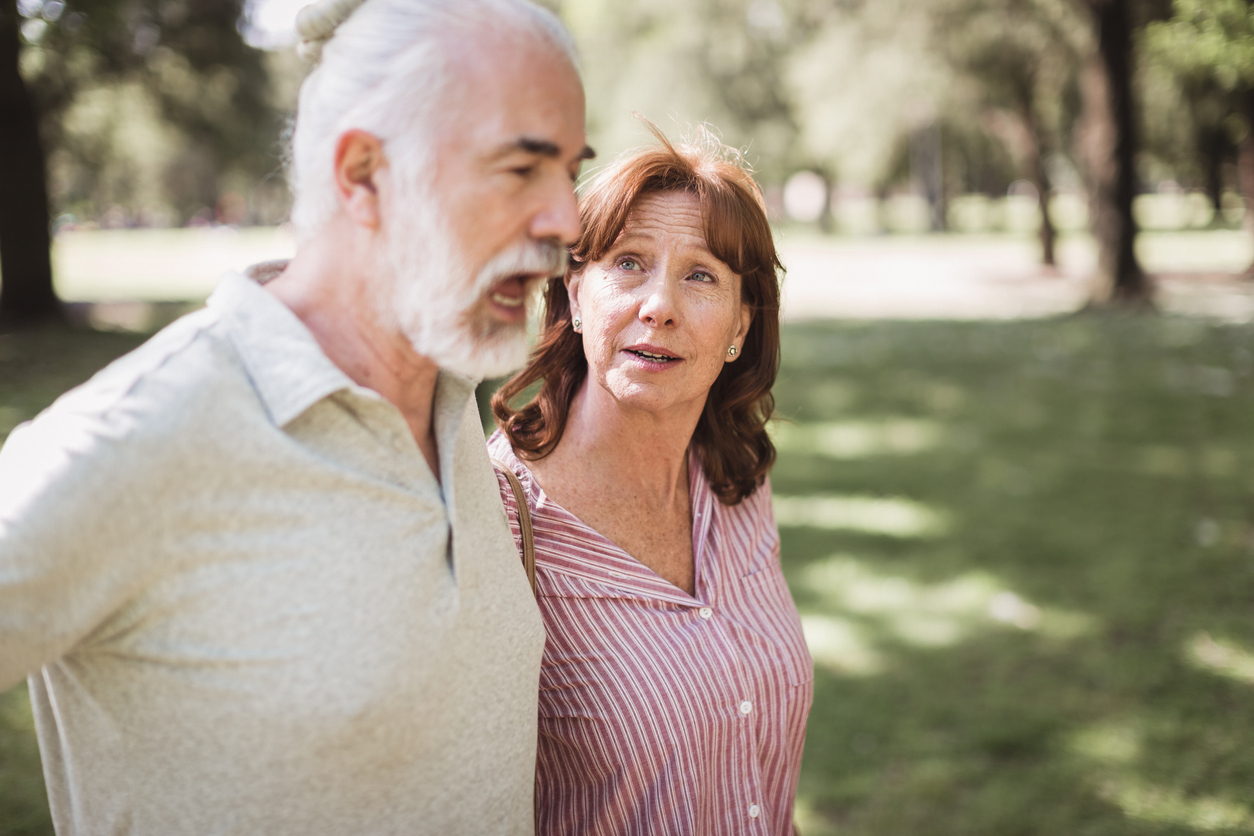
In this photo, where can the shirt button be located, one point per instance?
(705, 612)
(754, 811)
(746, 707)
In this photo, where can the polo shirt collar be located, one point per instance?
(287, 366)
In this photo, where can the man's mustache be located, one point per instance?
(533, 260)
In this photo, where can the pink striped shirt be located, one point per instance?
(660, 712)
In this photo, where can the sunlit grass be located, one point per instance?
(1224, 658)
(1067, 647)
(892, 516)
(858, 616)
(859, 439)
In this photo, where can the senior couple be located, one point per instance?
(260, 573)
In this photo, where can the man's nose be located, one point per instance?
(558, 217)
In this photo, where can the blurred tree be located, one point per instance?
(870, 99)
(1190, 128)
(1108, 146)
(1022, 58)
(716, 61)
(1209, 45)
(174, 76)
(172, 65)
(26, 293)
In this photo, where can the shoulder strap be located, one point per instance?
(524, 521)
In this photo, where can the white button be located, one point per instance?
(754, 811)
(705, 612)
(746, 707)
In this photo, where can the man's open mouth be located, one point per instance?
(507, 301)
(511, 292)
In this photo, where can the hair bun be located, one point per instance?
(317, 22)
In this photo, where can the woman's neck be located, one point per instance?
(644, 454)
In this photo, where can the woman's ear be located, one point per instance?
(359, 158)
(746, 319)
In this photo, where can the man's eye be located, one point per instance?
(523, 171)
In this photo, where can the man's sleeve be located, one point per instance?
(72, 539)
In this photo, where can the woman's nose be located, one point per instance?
(658, 307)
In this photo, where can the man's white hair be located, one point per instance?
(385, 71)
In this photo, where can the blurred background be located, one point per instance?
(1016, 473)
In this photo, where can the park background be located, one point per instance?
(1015, 463)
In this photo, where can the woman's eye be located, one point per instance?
(702, 276)
(629, 264)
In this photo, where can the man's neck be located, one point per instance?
(337, 309)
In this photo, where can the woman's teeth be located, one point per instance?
(507, 301)
(656, 358)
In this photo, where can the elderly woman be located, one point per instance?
(676, 681)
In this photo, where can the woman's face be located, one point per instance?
(659, 310)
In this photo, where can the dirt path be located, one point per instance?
(979, 278)
(884, 277)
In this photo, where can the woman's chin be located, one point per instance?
(648, 396)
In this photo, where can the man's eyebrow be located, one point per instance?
(543, 148)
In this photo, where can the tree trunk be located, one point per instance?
(927, 171)
(1213, 145)
(1039, 178)
(1110, 152)
(1245, 167)
(26, 294)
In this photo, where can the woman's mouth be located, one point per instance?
(652, 355)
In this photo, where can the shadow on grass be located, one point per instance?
(1069, 650)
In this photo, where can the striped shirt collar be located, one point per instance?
(601, 561)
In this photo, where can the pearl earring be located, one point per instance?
(733, 351)
(577, 323)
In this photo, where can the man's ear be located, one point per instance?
(359, 158)
(572, 282)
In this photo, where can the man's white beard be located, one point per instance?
(430, 297)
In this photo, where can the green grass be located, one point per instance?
(1024, 554)
(1059, 640)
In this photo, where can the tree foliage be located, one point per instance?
(1210, 39)
(1208, 46)
(148, 102)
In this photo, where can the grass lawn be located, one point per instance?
(1024, 555)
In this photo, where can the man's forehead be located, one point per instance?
(519, 95)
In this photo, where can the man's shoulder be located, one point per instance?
(124, 434)
(179, 368)
(139, 410)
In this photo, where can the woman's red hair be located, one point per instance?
(730, 438)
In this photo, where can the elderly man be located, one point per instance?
(257, 571)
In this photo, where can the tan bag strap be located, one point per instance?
(524, 522)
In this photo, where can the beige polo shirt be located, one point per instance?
(246, 606)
